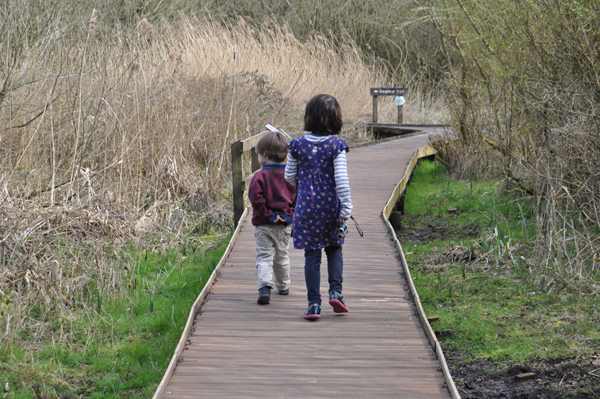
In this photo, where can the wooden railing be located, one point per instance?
(240, 183)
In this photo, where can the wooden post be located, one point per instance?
(400, 112)
(254, 157)
(237, 149)
(374, 109)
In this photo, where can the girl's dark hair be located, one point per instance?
(273, 145)
(323, 115)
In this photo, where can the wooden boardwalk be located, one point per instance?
(239, 349)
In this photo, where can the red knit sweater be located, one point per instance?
(271, 195)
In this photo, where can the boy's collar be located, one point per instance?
(273, 166)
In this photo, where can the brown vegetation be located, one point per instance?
(112, 133)
(391, 31)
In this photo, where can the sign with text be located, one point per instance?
(388, 91)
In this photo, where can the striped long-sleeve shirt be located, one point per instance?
(342, 183)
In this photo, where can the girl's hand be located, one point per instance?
(343, 219)
(279, 219)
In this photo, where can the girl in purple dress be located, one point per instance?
(317, 166)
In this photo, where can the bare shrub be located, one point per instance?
(524, 100)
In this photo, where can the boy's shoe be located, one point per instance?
(313, 312)
(336, 300)
(264, 296)
(284, 292)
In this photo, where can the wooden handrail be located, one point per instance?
(237, 172)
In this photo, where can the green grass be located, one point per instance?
(490, 307)
(116, 347)
(431, 193)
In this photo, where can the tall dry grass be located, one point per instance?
(393, 31)
(121, 135)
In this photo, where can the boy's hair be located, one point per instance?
(323, 115)
(273, 145)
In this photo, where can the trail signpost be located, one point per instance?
(389, 91)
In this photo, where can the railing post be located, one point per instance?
(237, 149)
(254, 157)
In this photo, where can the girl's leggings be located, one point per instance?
(312, 271)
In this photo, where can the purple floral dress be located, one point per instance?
(318, 206)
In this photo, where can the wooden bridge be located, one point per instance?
(235, 348)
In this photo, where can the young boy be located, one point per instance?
(272, 199)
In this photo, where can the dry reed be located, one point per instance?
(125, 134)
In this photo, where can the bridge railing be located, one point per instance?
(239, 180)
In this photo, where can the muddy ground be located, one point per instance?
(574, 377)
